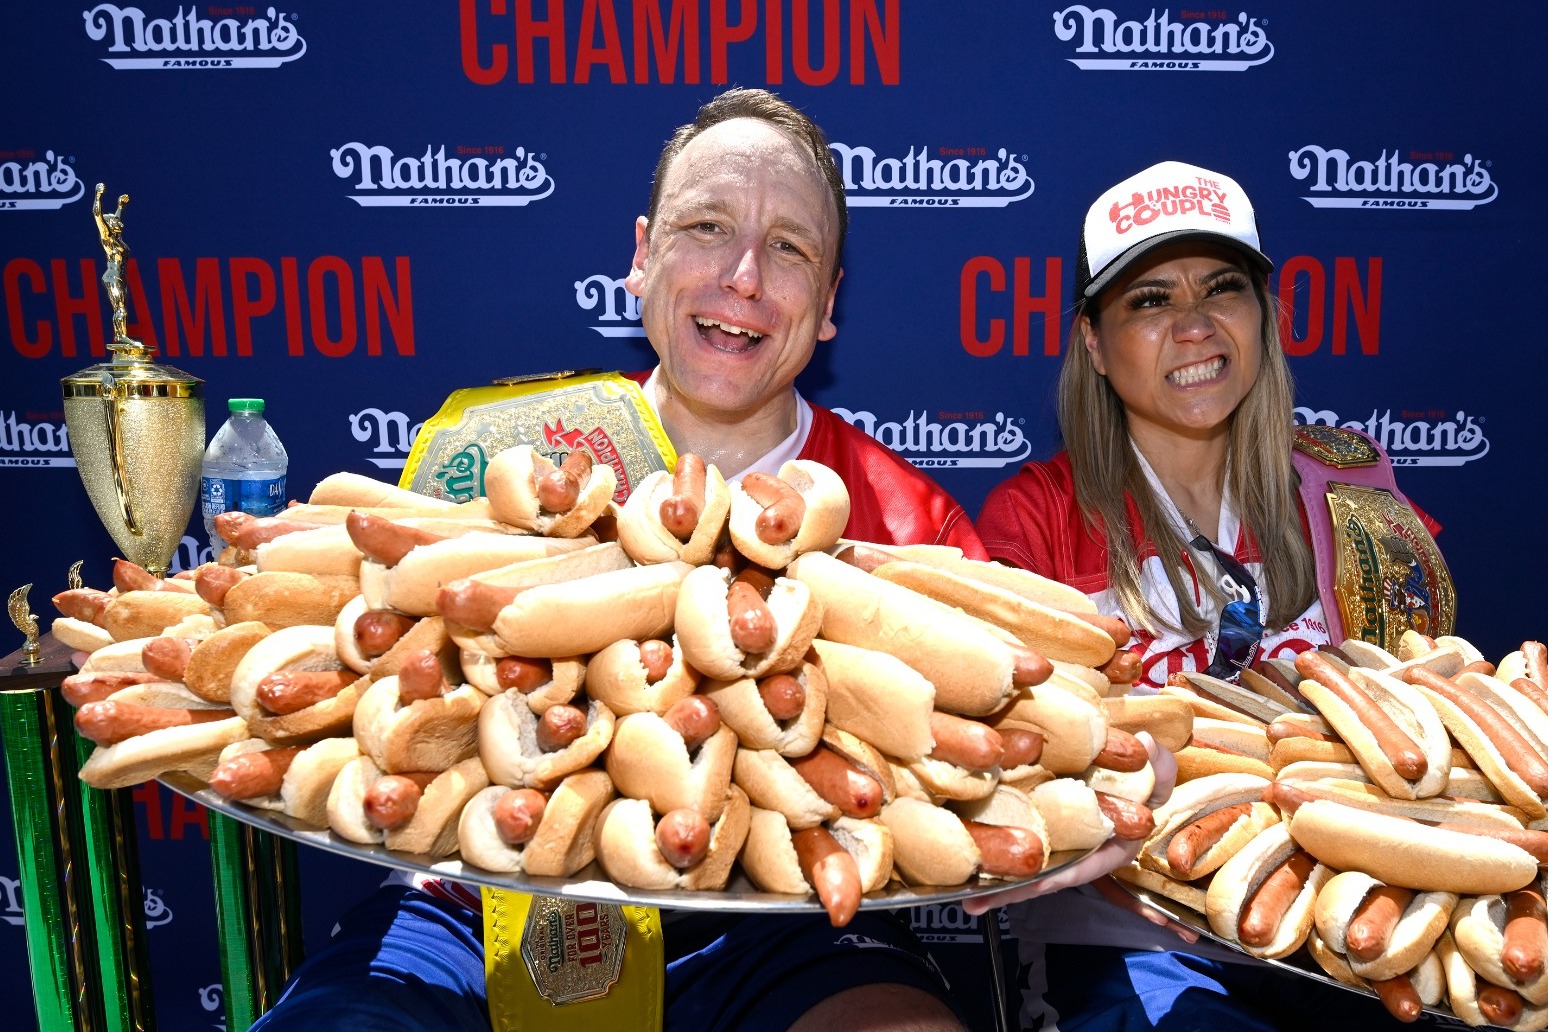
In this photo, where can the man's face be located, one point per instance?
(735, 275)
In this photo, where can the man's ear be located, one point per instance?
(1093, 343)
(634, 283)
(827, 331)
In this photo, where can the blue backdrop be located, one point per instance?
(352, 210)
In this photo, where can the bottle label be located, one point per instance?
(256, 497)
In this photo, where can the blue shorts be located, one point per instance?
(403, 960)
(1104, 989)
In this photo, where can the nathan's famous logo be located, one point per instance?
(1428, 179)
(463, 175)
(1191, 41)
(34, 439)
(620, 310)
(187, 40)
(949, 440)
(598, 442)
(932, 177)
(212, 999)
(29, 182)
(157, 912)
(10, 900)
(392, 433)
(1413, 438)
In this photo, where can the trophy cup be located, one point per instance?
(136, 428)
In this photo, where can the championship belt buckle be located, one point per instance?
(604, 413)
(1389, 577)
(573, 949)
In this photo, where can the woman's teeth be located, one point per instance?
(1190, 375)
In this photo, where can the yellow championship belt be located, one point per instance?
(555, 964)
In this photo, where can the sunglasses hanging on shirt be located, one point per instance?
(1241, 618)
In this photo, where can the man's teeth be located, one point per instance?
(728, 328)
(1193, 374)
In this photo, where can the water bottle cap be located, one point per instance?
(245, 405)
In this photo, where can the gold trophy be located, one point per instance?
(136, 428)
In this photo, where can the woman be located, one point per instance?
(1176, 506)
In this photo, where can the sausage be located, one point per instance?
(167, 658)
(79, 689)
(783, 508)
(1131, 820)
(1536, 655)
(966, 743)
(559, 726)
(559, 490)
(87, 604)
(752, 621)
(1534, 842)
(681, 510)
(726, 556)
(696, 718)
(835, 779)
(1498, 1005)
(109, 722)
(1022, 747)
(1266, 907)
(1517, 752)
(865, 557)
(517, 813)
(783, 695)
(1116, 629)
(1478, 666)
(1399, 996)
(1122, 752)
(656, 659)
(1124, 668)
(128, 576)
(1030, 668)
(524, 675)
(1526, 934)
(831, 871)
(683, 836)
(420, 677)
(473, 604)
(212, 582)
(1374, 919)
(290, 691)
(384, 541)
(392, 799)
(1534, 694)
(378, 630)
(1398, 746)
(1198, 837)
(1006, 851)
(253, 774)
(247, 532)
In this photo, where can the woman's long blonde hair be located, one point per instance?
(1264, 482)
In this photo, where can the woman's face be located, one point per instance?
(1179, 337)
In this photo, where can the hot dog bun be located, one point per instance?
(1236, 881)
(304, 647)
(826, 513)
(742, 707)
(510, 482)
(565, 838)
(704, 630)
(647, 540)
(507, 740)
(1421, 924)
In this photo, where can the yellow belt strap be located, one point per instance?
(550, 963)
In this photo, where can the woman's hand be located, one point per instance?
(1108, 857)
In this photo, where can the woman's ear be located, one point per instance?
(1088, 334)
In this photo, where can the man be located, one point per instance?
(737, 263)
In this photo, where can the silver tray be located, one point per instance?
(1298, 963)
(590, 883)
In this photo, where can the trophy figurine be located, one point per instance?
(136, 428)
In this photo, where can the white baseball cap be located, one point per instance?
(1166, 202)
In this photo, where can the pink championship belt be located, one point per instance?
(1379, 572)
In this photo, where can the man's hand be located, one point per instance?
(1108, 857)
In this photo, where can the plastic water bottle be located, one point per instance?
(244, 468)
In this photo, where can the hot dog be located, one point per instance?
(1177, 851)
(640, 676)
(1480, 1003)
(303, 650)
(840, 861)
(676, 516)
(515, 830)
(1381, 930)
(1503, 938)
(651, 759)
(295, 780)
(511, 742)
(775, 519)
(465, 548)
(727, 629)
(699, 853)
(404, 728)
(1263, 896)
(431, 827)
(522, 484)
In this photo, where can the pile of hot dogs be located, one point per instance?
(703, 676)
(1384, 812)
